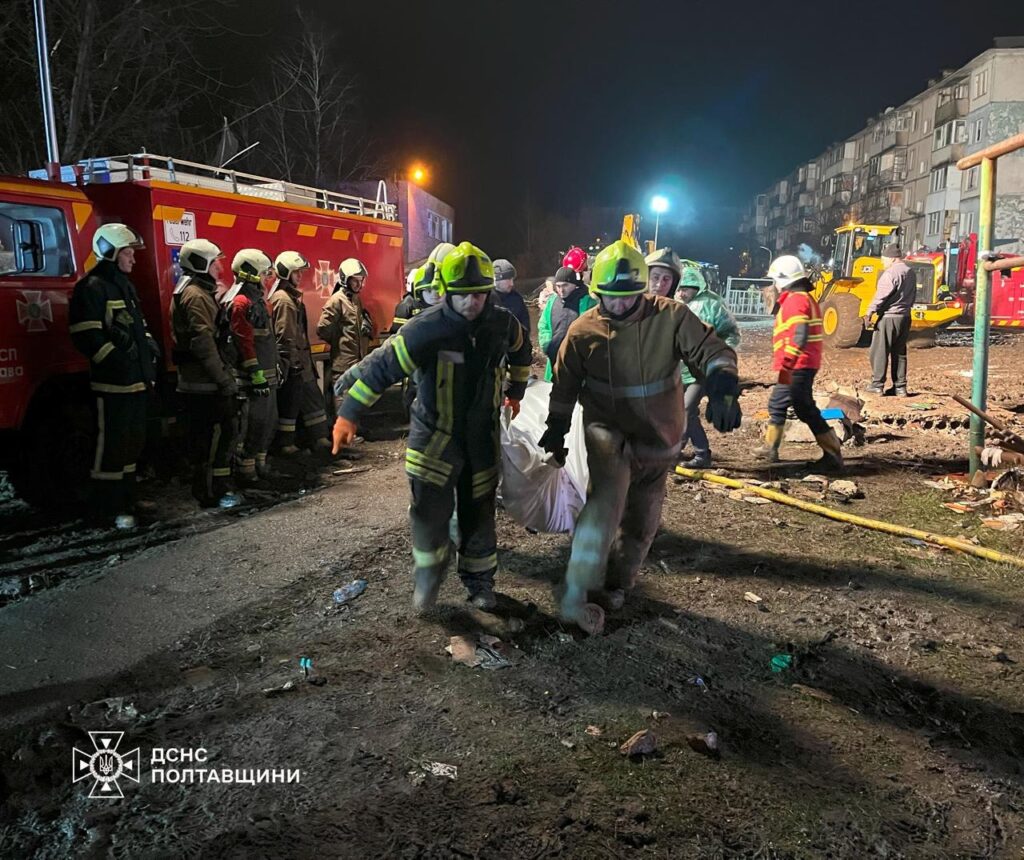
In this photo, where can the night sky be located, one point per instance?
(605, 103)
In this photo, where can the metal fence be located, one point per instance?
(747, 299)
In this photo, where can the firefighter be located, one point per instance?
(797, 342)
(298, 396)
(620, 360)
(505, 294)
(107, 326)
(571, 298)
(252, 351)
(663, 272)
(422, 294)
(205, 382)
(459, 351)
(344, 323)
(693, 291)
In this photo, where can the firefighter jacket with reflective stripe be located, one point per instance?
(409, 307)
(248, 334)
(460, 369)
(625, 372)
(107, 326)
(195, 325)
(290, 329)
(347, 328)
(797, 337)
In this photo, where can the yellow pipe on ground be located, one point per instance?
(863, 522)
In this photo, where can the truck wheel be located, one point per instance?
(51, 467)
(840, 321)
(921, 339)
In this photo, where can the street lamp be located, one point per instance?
(418, 174)
(659, 204)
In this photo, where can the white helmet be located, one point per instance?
(288, 262)
(786, 271)
(441, 250)
(197, 255)
(109, 239)
(250, 264)
(352, 268)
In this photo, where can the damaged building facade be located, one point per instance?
(901, 167)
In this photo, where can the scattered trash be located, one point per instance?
(113, 560)
(815, 479)
(782, 662)
(914, 542)
(923, 407)
(675, 628)
(698, 682)
(813, 693)
(286, 687)
(744, 496)
(957, 507)
(569, 745)
(1001, 524)
(114, 708)
(706, 744)
(434, 768)
(349, 592)
(564, 637)
(593, 731)
(750, 597)
(230, 500)
(846, 489)
(659, 715)
(480, 650)
(642, 743)
(999, 655)
(306, 665)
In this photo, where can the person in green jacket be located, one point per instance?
(570, 300)
(710, 309)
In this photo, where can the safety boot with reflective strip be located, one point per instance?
(769, 451)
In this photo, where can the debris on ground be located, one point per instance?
(660, 715)
(782, 662)
(114, 709)
(349, 592)
(813, 693)
(705, 744)
(593, 731)
(845, 490)
(433, 768)
(480, 650)
(286, 687)
(699, 683)
(750, 597)
(642, 743)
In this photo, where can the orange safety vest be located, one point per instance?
(796, 307)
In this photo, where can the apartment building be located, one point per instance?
(901, 167)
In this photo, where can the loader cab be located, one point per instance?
(858, 245)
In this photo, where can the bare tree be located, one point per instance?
(125, 76)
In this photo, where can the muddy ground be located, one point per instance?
(898, 730)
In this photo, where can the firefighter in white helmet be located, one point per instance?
(298, 397)
(345, 325)
(107, 326)
(250, 345)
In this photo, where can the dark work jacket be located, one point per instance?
(564, 312)
(515, 305)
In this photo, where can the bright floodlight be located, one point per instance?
(659, 204)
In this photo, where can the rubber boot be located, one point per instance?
(832, 458)
(427, 585)
(769, 451)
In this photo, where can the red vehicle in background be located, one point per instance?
(47, 424)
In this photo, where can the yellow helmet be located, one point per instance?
(288, 262)
(424, 278)
(110, 239)
(250, 264)
(467, 269)
(619, 270)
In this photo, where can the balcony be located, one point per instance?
(953, 109)
(945, 154)
(893, 138)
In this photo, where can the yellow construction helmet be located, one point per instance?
(619, 270)
(250, 264)
(289, 262)
(197, 255)
(424, 278)
(467, 269)
(110, 239)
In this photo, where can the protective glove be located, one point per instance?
(513, 405)
(124, 342)
(723, 390)
(260, 387)
(344, 432)
(553, 440)
(366, 329)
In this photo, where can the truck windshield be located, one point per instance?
(925, 273)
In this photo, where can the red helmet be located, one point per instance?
(575, 258)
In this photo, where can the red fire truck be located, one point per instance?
(47, 424)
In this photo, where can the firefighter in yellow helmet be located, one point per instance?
(620, 360)
(107, 326)
(467, 356)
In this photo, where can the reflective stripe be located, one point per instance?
(519, 373)
(402, 354)
(103, 352)
(129, 469)
(430, 557)
(519, 340)
(314, 418)
(85, 326)
(421, 459)
(363, 393)
(793, 350)
(107, 388)
(645, 390)
(789, 323)
(112, 305)
(221, 473)
(485, 475)
(107, 476)
(424, 474)
(470, 564)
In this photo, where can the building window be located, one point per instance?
(971, 181)
(968, 223)
(981, 83)
(962, 91)
(937, 181)
(934, 223)
(954, 131)
(438, 228)
(874, 164)
(977, 129)
(927, 125)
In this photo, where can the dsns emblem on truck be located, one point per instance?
(105, 765)
(35, 312)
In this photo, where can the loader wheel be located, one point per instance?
(50, 469)
(921, 339)
(840, 321)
